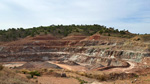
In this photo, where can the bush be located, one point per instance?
(81, 81)
(101, 77)
(1, 67)
(34, 73)
(25, 71)
(51, 71)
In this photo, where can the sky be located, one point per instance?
(132, 15)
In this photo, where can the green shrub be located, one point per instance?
(25, 71)
(1, 67)
(81, 81)
(34, 73)
(51, 71)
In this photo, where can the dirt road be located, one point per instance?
(69, 67)
(126, 70)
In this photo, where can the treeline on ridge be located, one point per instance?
(62, 30)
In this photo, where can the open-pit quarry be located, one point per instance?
(80, 56)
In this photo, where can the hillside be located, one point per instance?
(8, 76)
(86, 54)
(61, 31)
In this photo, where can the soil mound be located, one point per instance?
(68, 62)
(39, 65)
(94, 37)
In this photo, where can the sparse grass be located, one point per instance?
(145, 37)
(39, 72)
(107, 48)
(51, 71)
(101, 76)
(81, 81)
(30, 74)
(147, 80)
(9, 76)
(34, 73)
(136, 76)
(24, 71)
(98, 76)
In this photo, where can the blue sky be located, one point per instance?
(132, 15)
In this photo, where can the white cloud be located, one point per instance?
(116, 13)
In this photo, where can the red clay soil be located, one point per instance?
(47, 40)
(74, 37)
(44, 37)
(94, 37)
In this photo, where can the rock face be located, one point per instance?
(100, 51)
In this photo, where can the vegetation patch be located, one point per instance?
(107, 76)
(62, 31)
(34, 73)
(1, 67)
(9, 76)
(81, 81)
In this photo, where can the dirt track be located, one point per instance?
(69, 67)
(126, 70)
(81, 68)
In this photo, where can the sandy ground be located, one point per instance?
(47, 79)
(59, 80)
(56, 80)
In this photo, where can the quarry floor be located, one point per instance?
(45, 79)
